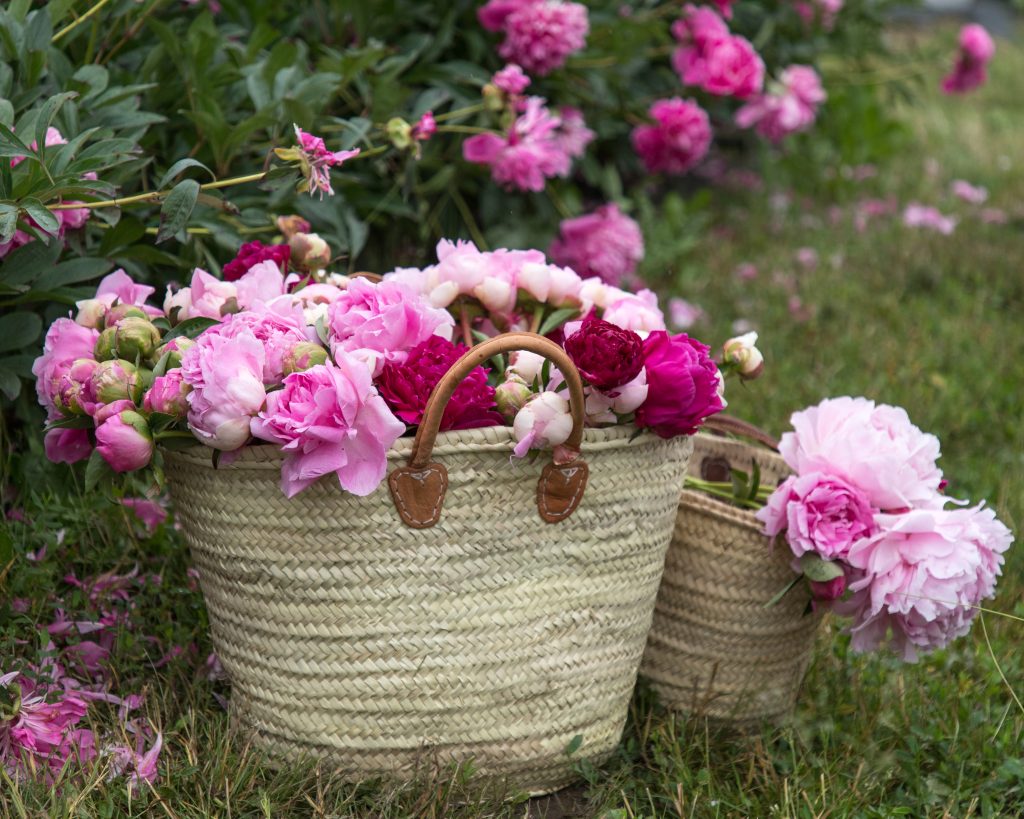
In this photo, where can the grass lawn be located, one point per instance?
(902, 315)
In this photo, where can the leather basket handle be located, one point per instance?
(735, 426)
(418, 489)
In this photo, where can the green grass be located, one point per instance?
(932, 323)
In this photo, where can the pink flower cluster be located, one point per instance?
(788, 107)
(925, 216)
(678, 140)
(866, 498)
(710, 57)
(823, 11)
(605, 243)
(971, 67)
(539, 34)
(538, 146)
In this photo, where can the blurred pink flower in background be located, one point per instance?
(683, 315)
(712, 58)
(962, 189)
(746, 271)
(807, 258)
(605, 243)
(971, 68)
(539, 34)
(924, 216)
(825, 11)
(150, 512)
(317, 161)
(679, 139)
(994, 216)
(511, 79)
(789, 106)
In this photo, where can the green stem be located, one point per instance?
(463, 129)
(460, 112)
(538, 317)
(467, 216)
(76, 23)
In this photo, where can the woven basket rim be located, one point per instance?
(483, 439)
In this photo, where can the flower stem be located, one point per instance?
(460, 112)
(76, 23)
(538, 316)
(463, 129)
(467, 330)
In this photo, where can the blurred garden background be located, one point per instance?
(875, 249)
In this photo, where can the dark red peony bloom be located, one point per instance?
(252, 253)
(407, 386)
(606, 356)
(682, 385)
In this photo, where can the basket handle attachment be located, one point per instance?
(419, 487)
(714, 468)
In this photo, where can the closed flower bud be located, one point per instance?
(72, 396)
(399, 132)
(494, 97)
(744, 356)
(124, 441)
(302, 356)
(176, 347)
(290, 225)
(135, 338)
(828, 590)
(91, 313)
(115, 380)
(309, 251)
(122, 311)
(511, 396)
(168, 395)
(104, 349)
(543, 422)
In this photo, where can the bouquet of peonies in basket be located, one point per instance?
(333, 369)
(872, 532)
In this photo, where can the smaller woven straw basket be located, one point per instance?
(490, 635)
(714, 649)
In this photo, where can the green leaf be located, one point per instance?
(755, 481)
(6, 113)
(789, 586)
(190, 328)
(127, 231)
(177, 208)
(45, 219)
(574, 745)
(29, 261)
(71, 422)
(72, 272)
(160, 368)
(95, 470)
(48, 112)
(8, 221)
(10, 145)
(557, 318)
(178, 167)
(10, 384)
(19, 330)
(6, 548)
(818, 569)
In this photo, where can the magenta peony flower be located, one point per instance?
(678, 141)
(819, 513)
(73, 395)
(872, 447)
(971, 68)
(382, 322)
(542, 34)
(510, 79)
(406, 387)
(639, 312)
(545, 421)
(682, 385)
(925, 216)
(493, 14)
(606, 356)
(124, 441)
(65, 342)
(317, 161)
(828, 591)
(252, 253)
(226, 376)
(922, 575)
(732, 68)
(606, 243)
(790, 106)
(330, 419)
(67, 445)
(168, 394)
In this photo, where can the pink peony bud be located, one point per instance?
(302, 356)
(122, 311)
(72, 394)
(744, 356)
(92, 313)
(104, 349)
(176, 347)
(114, 381)
(290, 225)
(309, 251)
(135, 338)
(124, 441)
(168, 395)
(543, 422)
(828, 590)
(511, 395)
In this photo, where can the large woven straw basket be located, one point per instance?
(493, 636)
(715, 650)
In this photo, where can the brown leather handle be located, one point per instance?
(365, 274)
(418, 488)
(728, 423)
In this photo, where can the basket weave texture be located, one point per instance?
(492, 636)
(714, 649)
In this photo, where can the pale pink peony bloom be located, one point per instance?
(788, 107)
(260, 284)
(317, 161)
(277, 331)
(65, 342)
(542, 34)
(683, 314)
(974, 194)
(572, 136)
(971, 68)
(124, 441)
(925, 216)
(382, 322)
(639, 312)
(679, 139)
(226, 376)
(605, 406)
(922, 575)
(330, 418)
(605, 243)
(549, 284)
(873, 447)
(121, 287)
(544, 422)
(511, 79)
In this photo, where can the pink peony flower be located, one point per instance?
(124, 441)
(638, 312)
(549, 284)
(226, 376)
(510, 79)
(924, 216)
(789, 106)
(541, 35)
(493, 14)
(136, 764)
(406, 387)
(819, 513)
(572, 135)
(382, 322)
(605, 406)
(330, 419)
(682, 385)
(67, 445)
(317, 161)
(606, 243)
(678, 141)
(121, 287)
(606, 355)
(150, 512)
(823, 11)
(278, 333)
(65, 342)
(732, 68)
(971, 68)
(975, 195)
(168, 394)
(544, 422)
(252, 253)
(922, 575)
(874, 448)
